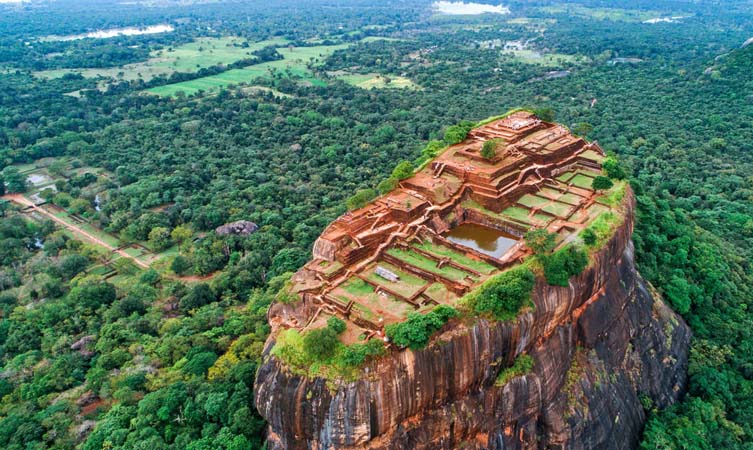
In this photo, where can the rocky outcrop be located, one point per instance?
(602, 348)
(240, 227)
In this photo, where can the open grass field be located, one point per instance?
(294, 64)
(377, 81)
(199, 54)
(527, 56)
(96, 232)
(613, 14)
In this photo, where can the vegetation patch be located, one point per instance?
(296, 64)
(523, 365)
(319, 352)
(503, 295)
(441, 251)
(377, 81)
(188, 58)
(416, 331)
(422, 262)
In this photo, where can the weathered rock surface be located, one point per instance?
(602, 347)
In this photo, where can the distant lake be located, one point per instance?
(114, 32)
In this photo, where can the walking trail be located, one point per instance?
(23, 201)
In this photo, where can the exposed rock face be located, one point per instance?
(601, 347)
(241, 227)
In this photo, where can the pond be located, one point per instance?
(486, 240)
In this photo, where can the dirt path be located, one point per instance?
(23, 201)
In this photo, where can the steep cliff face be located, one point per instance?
(602, 348)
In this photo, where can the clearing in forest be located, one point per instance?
(199, 54)
(296, 62)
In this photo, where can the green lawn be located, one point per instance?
(521, 215)
(96, 232)
(557, 208)
(582, 181)
(527, 56)
(424, 263)
(565, 177)
(377, 81)
(459, 258)
(358, 287)
(408, 285)
(532, 201)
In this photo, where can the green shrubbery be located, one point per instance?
(601, 183)
(319, 352)
(321, 343)
(613, 168)
(489, 149)
(418, 328)
(560, 265)
(402, 171)
(523, 365)
(503, 295)
(563, 264)
(360, 199)
(457, 133)
(355, 355)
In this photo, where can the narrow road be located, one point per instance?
(23, 201)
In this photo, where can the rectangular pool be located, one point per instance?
(483, 239)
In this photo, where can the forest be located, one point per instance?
(127, 321)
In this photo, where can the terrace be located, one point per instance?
(452, 225)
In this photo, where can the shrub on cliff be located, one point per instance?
(523, 365)
(356, 354)
(602, 183)
(541, 241)
(457, 133)
(563, 264)
(360, 199)
(503, 295)
(418, 328)
(321, 343)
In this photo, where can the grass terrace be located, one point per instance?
(422, 262)
(519, 214)
(408, 286)
(440, 251)
(440, 294)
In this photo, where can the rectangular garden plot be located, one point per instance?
(407, 286)
(440, 251)
(422, 262)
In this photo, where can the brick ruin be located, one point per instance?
(374, 265)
